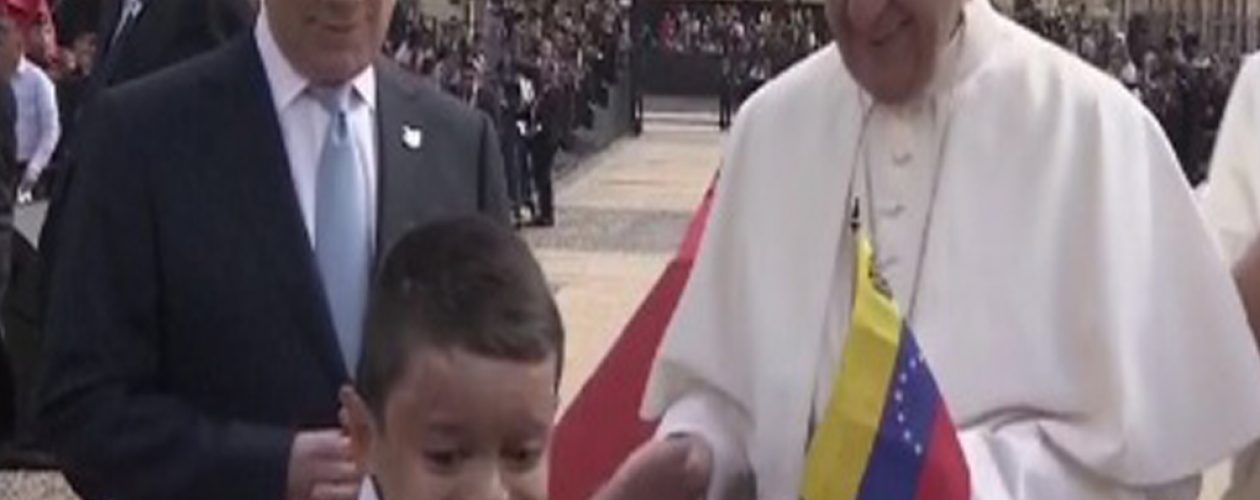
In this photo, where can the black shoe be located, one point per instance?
(544, 222)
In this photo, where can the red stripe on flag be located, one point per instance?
(945, 475)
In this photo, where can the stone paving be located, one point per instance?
(621, 217)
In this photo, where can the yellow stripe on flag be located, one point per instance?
(842, 443)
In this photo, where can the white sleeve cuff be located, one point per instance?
(720, 424)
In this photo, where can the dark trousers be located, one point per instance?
(543, 155)
(724, 107)
(513, 168)
(8, 385)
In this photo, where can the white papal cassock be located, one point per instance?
(1232, 193)
(1084, 332)
(1232, 205)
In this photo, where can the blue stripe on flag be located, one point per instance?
(901, 445)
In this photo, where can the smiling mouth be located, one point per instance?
(889, 34)
(340, 29)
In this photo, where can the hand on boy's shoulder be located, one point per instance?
(676, 468)
(322, 467)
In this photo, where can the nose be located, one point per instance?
(863, 13)
(491, 486)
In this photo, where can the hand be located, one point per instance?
(676, 468)
(321, 467)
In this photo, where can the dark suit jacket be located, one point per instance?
(8, 178)
(165, 33)
(188, 335)
(8, 135)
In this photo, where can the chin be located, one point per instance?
(339, 69)
(891, 85)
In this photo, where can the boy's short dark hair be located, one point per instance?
(466, 283)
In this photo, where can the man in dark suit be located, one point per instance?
(10, 53)
(553, 112)
(135, 38)
(138, 37)
(209, 293)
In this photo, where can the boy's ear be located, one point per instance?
(357, 423)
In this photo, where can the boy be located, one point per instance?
(456, 391)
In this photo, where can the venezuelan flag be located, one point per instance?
(886, 434)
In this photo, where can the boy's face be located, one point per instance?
(460, 426)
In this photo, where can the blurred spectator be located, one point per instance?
(137, 37)
(10, 57)
(73, 80)
(1184, 85)
(537, 69)
(38, 121)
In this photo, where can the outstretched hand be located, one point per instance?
(675, 468)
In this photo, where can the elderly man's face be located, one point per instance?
(891, 46)
(330, 41)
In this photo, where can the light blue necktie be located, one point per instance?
(342, 241)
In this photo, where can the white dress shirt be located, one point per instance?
(38, 124)
(304, 125)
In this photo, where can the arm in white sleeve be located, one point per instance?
(49, 128)
(1016, 463)
(722, 426)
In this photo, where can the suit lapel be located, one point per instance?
(406, 183)
(110, 16)
(268, 200)
(110, 13)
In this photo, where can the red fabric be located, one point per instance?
(945, 475)
(602, 427)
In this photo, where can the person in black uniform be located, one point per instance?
(552, 113)
(10, 54)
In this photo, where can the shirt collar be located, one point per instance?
(287, 84)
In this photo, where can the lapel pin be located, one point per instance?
(412, 137)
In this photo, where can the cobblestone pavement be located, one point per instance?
(34, 486)
(621, 217)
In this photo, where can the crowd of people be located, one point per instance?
(782, 33)
(754, 41)
(539, 70)
(1183, 83)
